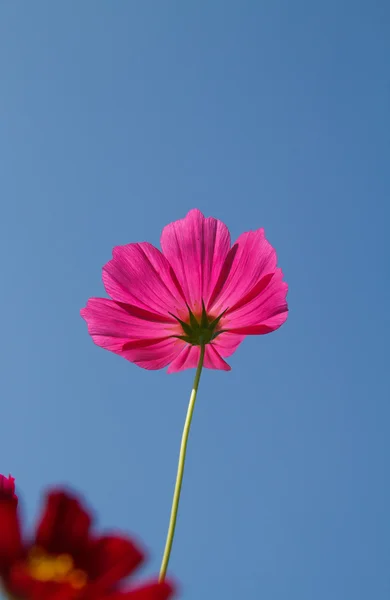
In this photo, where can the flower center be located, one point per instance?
(58, 568)
(199, 330)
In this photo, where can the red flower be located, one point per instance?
(64, 560)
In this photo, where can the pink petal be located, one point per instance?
(196, 248)
(156, 354)
(140, 275)
(189, 359)
(213, 360)
(112, 324)
(266, 327)
(250, 259)
(138, 335)
(263, 313)
(227, 343)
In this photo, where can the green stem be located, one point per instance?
(180, 468)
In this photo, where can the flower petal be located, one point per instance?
(110, 559)
(7, 487)
(64, 525)
(189, 359)
(152, 354)
(20, 584)
(112, 324)
(267, 326)
(196, 248)
(249, 260)
(140, 336)
(139, 274)
(227, 343)
(11, 546)
(213, 360)
(263, 313)
(151, 591)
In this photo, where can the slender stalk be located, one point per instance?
(180, 468)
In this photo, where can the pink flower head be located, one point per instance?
(198, 290)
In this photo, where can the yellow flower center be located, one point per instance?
(59, 568)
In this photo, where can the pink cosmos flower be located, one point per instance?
(198, 290)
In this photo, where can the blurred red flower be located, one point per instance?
(64, 559)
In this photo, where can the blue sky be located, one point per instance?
(117, 118)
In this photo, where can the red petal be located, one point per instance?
(151, 591)
(110, 559)
(64, 525)
(22, 585)
(11, 547)
(7, 487)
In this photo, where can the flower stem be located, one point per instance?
(180, 468)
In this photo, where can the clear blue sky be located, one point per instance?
(117, 118)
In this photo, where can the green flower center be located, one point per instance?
(199, 331)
